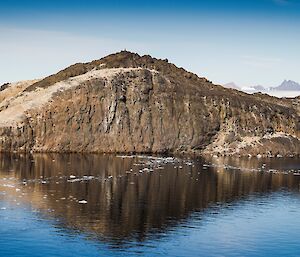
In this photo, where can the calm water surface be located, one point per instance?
(91, 205)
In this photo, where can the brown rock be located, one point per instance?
(128, 103)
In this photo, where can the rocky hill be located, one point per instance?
(130, 103)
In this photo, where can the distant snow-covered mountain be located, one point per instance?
(245, 89)
(287, 85)
(287, 88)
(259, 88)
(232, 85)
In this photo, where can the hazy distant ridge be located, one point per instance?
(286, 86)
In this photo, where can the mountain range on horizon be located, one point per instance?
(286, 85)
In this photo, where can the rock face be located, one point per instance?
(130, 103)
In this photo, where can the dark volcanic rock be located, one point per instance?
(4, 86)
(130, 103)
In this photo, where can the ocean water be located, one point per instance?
(104, 205)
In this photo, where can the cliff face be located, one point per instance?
(128, 103)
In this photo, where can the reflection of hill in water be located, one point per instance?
(133, 203)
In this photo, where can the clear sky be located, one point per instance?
(249, 42)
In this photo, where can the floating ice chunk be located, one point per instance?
(8, 185)
(88, 177)
(74, 180)
(126, 156)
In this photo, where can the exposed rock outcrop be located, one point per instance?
(128, 103)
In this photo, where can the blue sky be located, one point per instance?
(247, 41)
